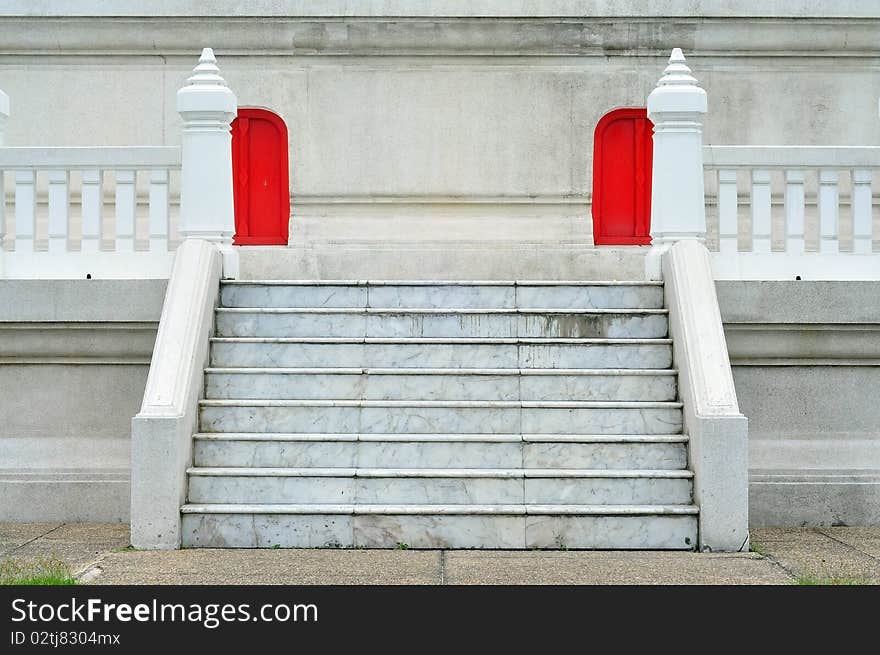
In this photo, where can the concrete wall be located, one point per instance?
(424, 112)
(806, 363)
(74, 356)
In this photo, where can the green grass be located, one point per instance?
(402, 546)
(756, 547)
(809, 579)
(45, 571)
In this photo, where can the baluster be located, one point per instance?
(794, 212)
(861, 211)
(761, 211)
(727, 208)
(25, 210)
(125, 210)
(159, 210)
(92, 209)
(828, 200)
(59, 210)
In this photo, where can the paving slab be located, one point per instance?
(811, 553)
(610, 567)
(15, 535)
(864, 539)
(251, 567)
(97, 552)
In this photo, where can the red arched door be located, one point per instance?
(260, 178)
(622, 156)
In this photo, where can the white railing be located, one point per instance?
(58, 197)
(49, 184)
(789, 212)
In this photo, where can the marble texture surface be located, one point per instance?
(354, 384)
(438, 531)
(634, 420)
(609, 491)
(294, 454)
(595, 355)
(397, 487)
(432, 296)
(640, 296)
(261, 295)
(311, 323)
(376, 454)
(611, 386)
(566, 455)
(426, 295)
(613, 532)
(267, 530)
(435, 355)
(368, 454)
(622, 324)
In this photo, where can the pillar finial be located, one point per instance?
(207, 72)
(677, 72)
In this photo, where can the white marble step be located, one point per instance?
(409, 416)
(439, 526)
(453, 322)
(445, 486)
(440, 450)
(436, 294)
(441, 353)
(440, 384)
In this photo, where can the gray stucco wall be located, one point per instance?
(806, 363)
(74, 356)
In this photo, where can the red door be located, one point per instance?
(260, 178)
(622, 156)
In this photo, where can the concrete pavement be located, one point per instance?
(98, 554)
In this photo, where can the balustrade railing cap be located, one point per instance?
(206, 90)
(677, 89)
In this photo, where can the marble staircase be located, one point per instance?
(440, 414)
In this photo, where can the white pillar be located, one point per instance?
(207, 107)
(676, 107)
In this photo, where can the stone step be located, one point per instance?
(438, 294)
(440, 384)
(454, 323)
(440, 451)
(441, 353)
(445, 486)
(439, 526)
(409, 416)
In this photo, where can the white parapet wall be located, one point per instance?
(161, 448)
(793, 212)
(717, 431)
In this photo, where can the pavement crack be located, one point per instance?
(442, 572)
(846, 544)
(40, 536)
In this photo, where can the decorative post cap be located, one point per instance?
(207, 72)
(677, 90)
(206, 90)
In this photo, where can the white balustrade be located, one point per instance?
(75, 177)
(51, 183)
(825, 258)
